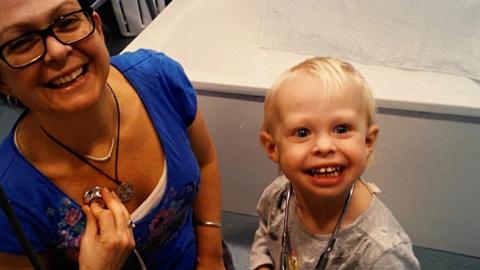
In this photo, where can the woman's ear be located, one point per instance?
(98, 23)
(266, 139)
(371, 138)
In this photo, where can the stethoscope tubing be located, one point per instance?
(323, 260)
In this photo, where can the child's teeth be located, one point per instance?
(326, 171)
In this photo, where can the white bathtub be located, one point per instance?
(428, 155)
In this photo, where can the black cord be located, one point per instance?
(17, 228)
(80, 157)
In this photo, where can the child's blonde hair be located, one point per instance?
(334, 74)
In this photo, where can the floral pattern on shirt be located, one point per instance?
(69, 228)
(172, 216)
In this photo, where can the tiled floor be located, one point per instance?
(238, 231)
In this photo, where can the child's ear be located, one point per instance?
(269, 146)
(371, 138)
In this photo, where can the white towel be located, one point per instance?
(440, 36)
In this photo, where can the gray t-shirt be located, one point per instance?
(375, 240)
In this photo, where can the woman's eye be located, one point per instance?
(69, 23)
(302, 132)
(22, 44)
(343, 128)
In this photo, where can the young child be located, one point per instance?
(319, 127)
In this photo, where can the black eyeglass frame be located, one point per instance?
(48, 31)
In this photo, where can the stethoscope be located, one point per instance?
(286, 249)
(94, 195)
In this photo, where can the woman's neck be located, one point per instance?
(84, 130)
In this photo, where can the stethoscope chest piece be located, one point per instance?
(93, 195)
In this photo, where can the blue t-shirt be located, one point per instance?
(165, 237)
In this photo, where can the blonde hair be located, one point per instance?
(334, 74)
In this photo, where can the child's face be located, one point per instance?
(321, 143)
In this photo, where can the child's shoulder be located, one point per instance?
(379, 225)
(278, 184)
(380, 239)
(276, 188)
(274, 193)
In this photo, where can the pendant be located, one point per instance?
(125, 192)
(292, 262)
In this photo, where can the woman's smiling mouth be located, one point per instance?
(67, 80)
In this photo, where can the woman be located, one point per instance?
(131, 126)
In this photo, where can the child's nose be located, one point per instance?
(324, 145)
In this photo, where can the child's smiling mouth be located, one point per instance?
(328, 171)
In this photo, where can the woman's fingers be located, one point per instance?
(120, 213)
(91, 228)
(113, 221)
(105, 220)
(105, 244)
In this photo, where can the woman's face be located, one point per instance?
(69, 78)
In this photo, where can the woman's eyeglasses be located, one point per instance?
(31, 47)
(286, 259)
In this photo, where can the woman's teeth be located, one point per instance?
(326, 171)
(64, 80)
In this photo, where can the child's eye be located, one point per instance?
(342, 128)
(302, 132)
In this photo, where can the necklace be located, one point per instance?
(104, 158)
(107, 156)
(286, 260)
(124, 191)
(110, 151)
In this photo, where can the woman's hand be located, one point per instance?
(209, 255)
(108, 240)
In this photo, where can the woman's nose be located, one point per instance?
(56, 52)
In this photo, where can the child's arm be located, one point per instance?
(260, 255)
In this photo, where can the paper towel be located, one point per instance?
(441, 36)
